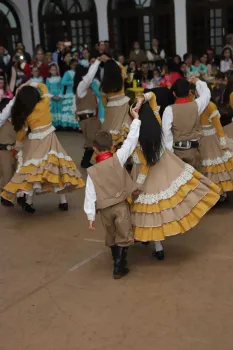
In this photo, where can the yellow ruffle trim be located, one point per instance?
(225, 186)
(145, 234)
(215, 169)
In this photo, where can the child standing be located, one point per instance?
(35, 78)
(55, 89)
(108, 186)
(226, 61)
(68, 119)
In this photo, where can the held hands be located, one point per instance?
(193, 80)
(21, 86)
(91, 226)
(134, 112)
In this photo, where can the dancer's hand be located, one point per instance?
(193, 80)
(134, 113)
(91, 226)
(105, 58)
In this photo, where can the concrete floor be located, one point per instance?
(57, 293)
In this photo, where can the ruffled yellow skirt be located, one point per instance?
(174, 199)
(217, 164)
(43, 166)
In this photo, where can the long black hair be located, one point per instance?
(112, 80)
(80, 72)
(150, 137)
(25, 102)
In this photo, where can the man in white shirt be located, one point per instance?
(107, 188)
(181, 121)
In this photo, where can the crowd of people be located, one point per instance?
(151, 173)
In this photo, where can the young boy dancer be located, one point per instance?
(108, 186)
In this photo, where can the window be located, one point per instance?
(10, 31)
(72, 20)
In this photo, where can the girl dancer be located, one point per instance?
(43, 164)
(55, 90)
(68, 120)
(174, 196)
(216, 150)
(117, 119)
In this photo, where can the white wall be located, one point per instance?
(180, 26)
(102, 17)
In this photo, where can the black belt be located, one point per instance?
(185, 145)
(4, 147)
(85, 116)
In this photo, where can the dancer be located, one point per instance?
(174, 196)
(67, 118)
(86, 90)
(43, 164)
(7, 142)
(181, 121)
(216, 151)
(117, 119)
(55, 89)
(108, 186)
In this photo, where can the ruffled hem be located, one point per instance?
(218, 168)
(145, 234)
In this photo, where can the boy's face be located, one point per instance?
(35, 72)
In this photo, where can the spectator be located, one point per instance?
(121, 59)
(19, 73)
(75, 54)
(100, 49)
(177, 62)
(219, 89)
(212, 59)
(226, 61)
(145, 75)
(4, 90)
(108, 50)
(132, 70)
(204, 62)
(155, 53)
(188, 59)
(171, 75)
(229, 43)
(156, 78)
(197, 67)
(35, 75)
(137, 54)
(41, 64)
(49, 57)
(27, 56)
(64, 65)
(184, 69)
(60, 48)
(4, 61)
(85, 58)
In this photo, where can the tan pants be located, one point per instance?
(6, 168)
(190, 156)
(117, 223)
(89, 128)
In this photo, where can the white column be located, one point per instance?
(102, 18)
(23, 14)
(180, 26)
(35, 14)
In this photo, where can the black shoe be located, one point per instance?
(63, 206)
(21, 201)
(120, 269)
(145, 243)
(28, 208)
(6, 203)
(159, 255)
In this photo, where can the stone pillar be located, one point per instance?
(180, 26)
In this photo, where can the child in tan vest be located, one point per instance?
(108, 186)
(7, 142)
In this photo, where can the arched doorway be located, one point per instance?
(208, 23)
(141, 20)
(10, 32)
(72, 20)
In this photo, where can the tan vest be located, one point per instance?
(186, 122)
(112, 182)
(86, 102)
(7, 134)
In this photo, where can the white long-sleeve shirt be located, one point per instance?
(225, 66)
(84, 85)
(202, 102)
(123, 154)
(6, 112)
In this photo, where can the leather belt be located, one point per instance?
(185, 145)
(4, 147)
(85, 116)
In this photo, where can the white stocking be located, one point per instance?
(63, 199)
(158, 246)
(29, 199)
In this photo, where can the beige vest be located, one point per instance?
(86, 102)
(7, 134)
(112, 182)
(186, 122)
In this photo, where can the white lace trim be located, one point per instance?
(42, 127)
(147, 96)
(219, 160)
(136, 159)
(36, 162)
(214, 114)
(184, 177)
(116, 132)
(157, 110)
(208, 132)
(117, 103)
(141, 178)
(41, 135)
(222, 141)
